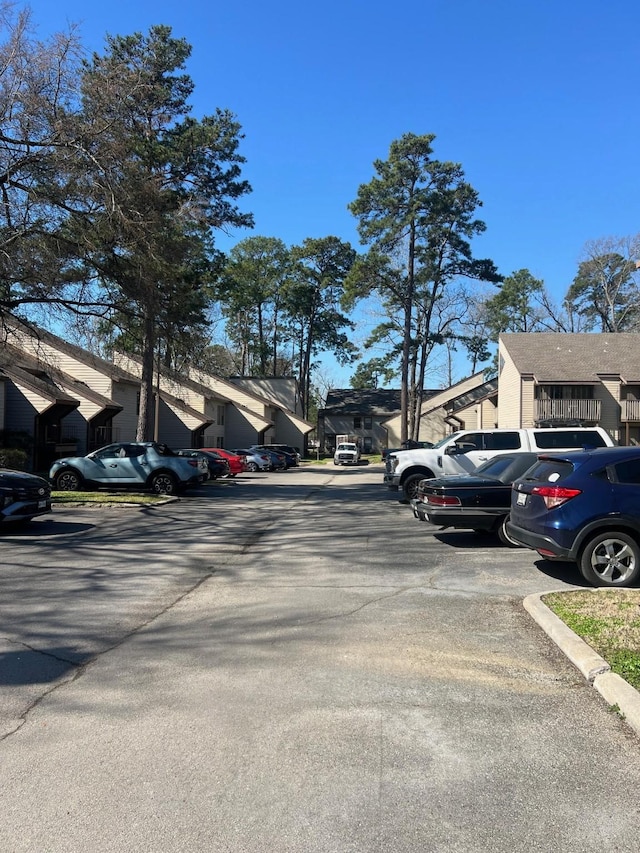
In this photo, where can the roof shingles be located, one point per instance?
(561, 357)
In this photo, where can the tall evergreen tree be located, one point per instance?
(251, 292)
(417, 216)
(311, 302)
(162, 182)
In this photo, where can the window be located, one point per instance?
(564, 392)
(368, 422)
(368, 444)
(502, 441)
(110, 452)
(628, 472)
(220, 416)
(470, 441)
(550, 438)
(357, 422)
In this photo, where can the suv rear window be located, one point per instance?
(550, 438)
(549, 471)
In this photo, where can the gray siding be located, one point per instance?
(240, 429)
(22, 408)
(125, 422)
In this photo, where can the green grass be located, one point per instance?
(609, 621)
(105, 498)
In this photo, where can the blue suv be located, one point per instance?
(583, 507)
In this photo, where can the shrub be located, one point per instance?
(13, 457)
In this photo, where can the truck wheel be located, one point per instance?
(410, 487)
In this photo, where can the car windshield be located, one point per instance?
(446, 439)
(494, 467)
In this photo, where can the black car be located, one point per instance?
(22, 496)
(218, 467)
(290, 453)
(478, 501)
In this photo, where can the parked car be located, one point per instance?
(478, 501)
(22, 496)
(346, 453)
(583, 507)
(236, 463)
(216, 466)
(462, 452)
(278, 460)
(291, 454)
(128, 463)
(255, 460)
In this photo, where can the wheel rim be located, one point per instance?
(163, 484)
(68, 482)
(411, 489)
(252, 466)
(613, 560)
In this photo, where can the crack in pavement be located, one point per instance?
(82, 668)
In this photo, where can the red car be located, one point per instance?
(237, 464)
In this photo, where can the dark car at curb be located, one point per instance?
(480, 500)
(23, 496)
(583, 507)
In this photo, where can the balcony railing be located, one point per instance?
(580, 410)
(630, 410)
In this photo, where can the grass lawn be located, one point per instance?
(609, 621)
(106, 498)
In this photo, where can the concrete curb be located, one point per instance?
(597, 672)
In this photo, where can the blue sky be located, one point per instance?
(536, 99)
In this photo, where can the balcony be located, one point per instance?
(629, 410)
(586, 411)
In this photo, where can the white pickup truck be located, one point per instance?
(463, 451)
(347, 453)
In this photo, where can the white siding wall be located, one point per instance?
(509, 391)
(3, 403)
(610, 413)
(527, 401)
(282, 390)
(95, 379)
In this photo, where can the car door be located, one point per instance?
(118, 464)
(467, 453)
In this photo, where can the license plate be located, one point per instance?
(42, 504)
(521, 499)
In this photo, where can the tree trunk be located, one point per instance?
(146, 414)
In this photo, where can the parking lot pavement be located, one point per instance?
(344, 678)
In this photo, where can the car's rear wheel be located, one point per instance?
(68, 480)
(503, 536)
(251, 466)
(611, 558)
(163, 483)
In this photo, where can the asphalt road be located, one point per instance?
(291, 662)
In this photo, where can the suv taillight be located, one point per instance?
(554, 496)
